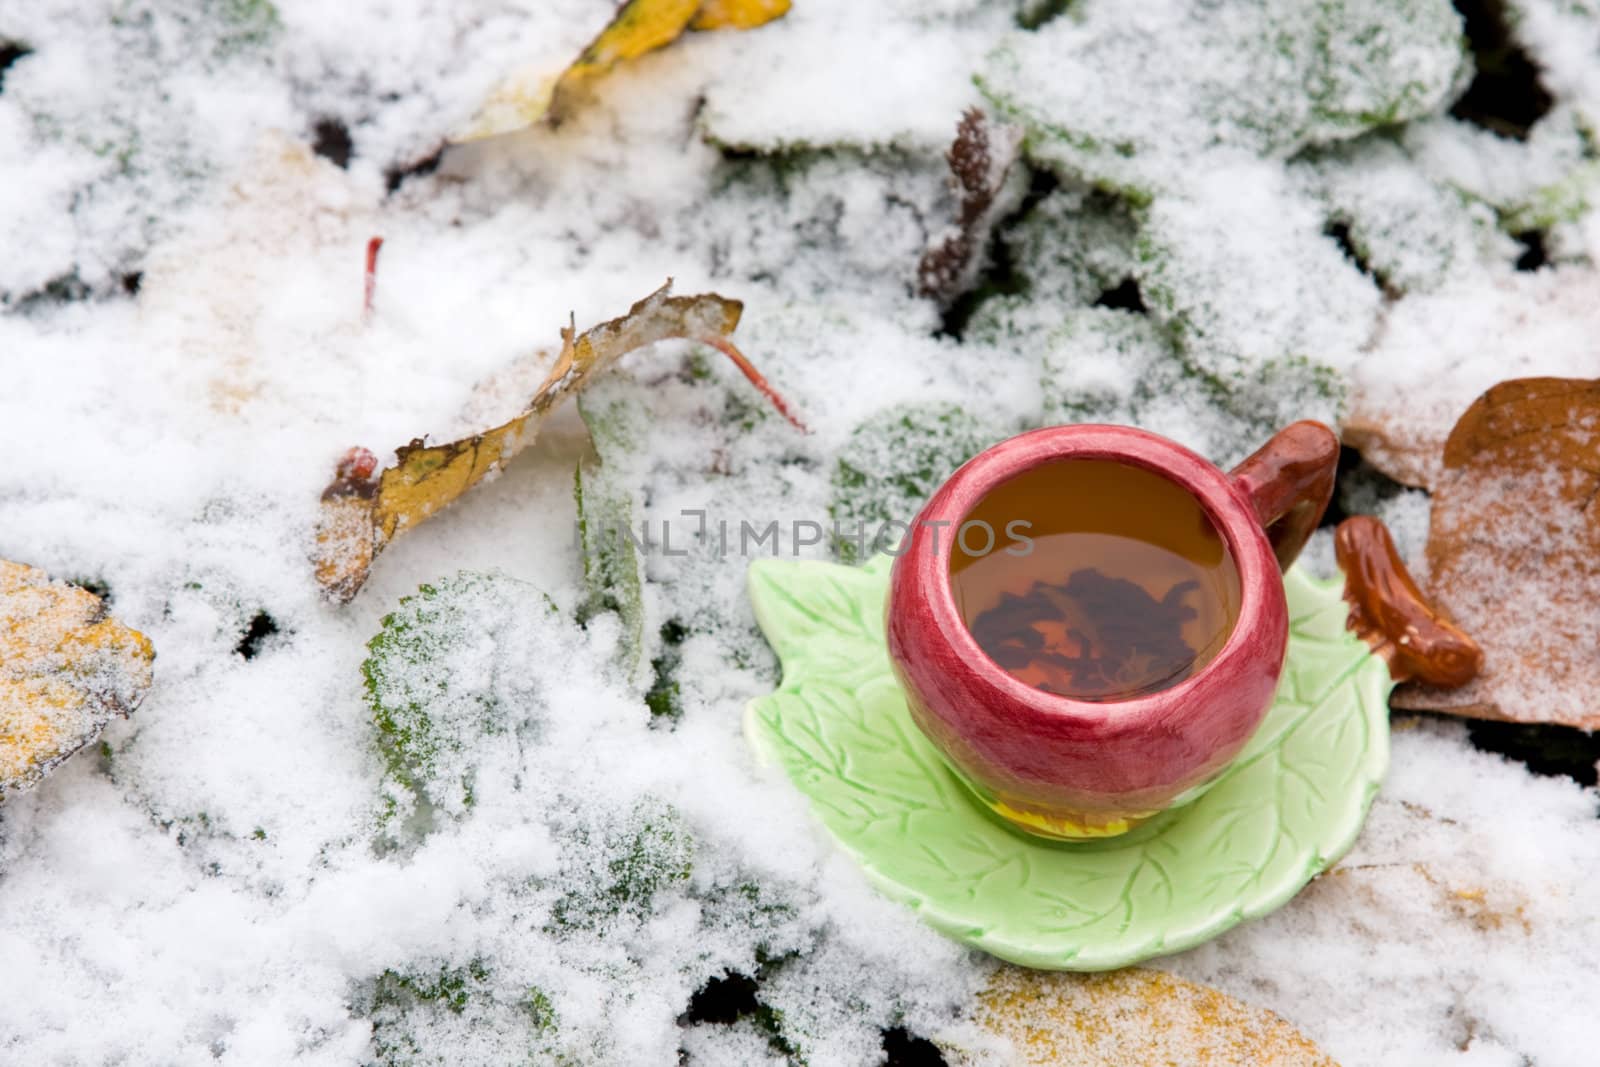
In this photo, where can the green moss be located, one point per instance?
(664, 697)
(426, 714)
(541, 1011)
(774, 172)
(1562, 201)
(449, 987)
(656, 856)
(404, 1003)
(891, 465)
(1148, 92)
(697, 365)
(620, 867)
(612, 570)
(244, 25)
(1031, 14)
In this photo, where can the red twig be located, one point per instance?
(371, 289)
(725, 346)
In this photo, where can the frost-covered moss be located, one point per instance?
(811, 221)
(665, 695)
(892, 464)
(1411, 232)
(612, 574)
(634, 917)
(1562, 201)
(1144, 91)
(620, 865)
(1070, 249)
(451, 667)
(1235, 290)
(244, 24)
(456, 1014)
(1103, 365)
(1245, 288)
(1230, 257)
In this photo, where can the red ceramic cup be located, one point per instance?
(1072, 769)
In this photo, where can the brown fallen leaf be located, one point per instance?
(65, 669)
(1408, 455)
(639, 26)
(1133, 1018)
(1514, 553)
(360, 516)
(980, 159)
(1401, 407)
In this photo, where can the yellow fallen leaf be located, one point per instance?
(1133, 1018)
(639, 26)
(737, 14)
(65, 669)
(360, 516)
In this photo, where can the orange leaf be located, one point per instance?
(1134, 1017)
(65, 669)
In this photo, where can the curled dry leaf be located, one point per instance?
(639, 26)
(361, 515)
(65, 669)
(1134, 1017)
(1514, 552)
(980, 159)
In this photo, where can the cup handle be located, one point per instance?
(1289, 481)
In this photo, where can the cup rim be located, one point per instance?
(1224, 505)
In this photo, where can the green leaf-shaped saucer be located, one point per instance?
(1289, 805)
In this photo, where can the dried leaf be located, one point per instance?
(1402, 406)
(208, 292)
(65, 669)
(639, 26)
(738, 14)
(1514, 552)
(1134, 1017)
(980, 159)
(360, 516)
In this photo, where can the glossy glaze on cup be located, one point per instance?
(1075, 769)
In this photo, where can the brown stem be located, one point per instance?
(1391, 614)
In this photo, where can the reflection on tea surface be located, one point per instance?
(1118, 586)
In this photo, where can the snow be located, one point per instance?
(238, 875)
(1437, 352)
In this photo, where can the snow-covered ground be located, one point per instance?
(1274, 201)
